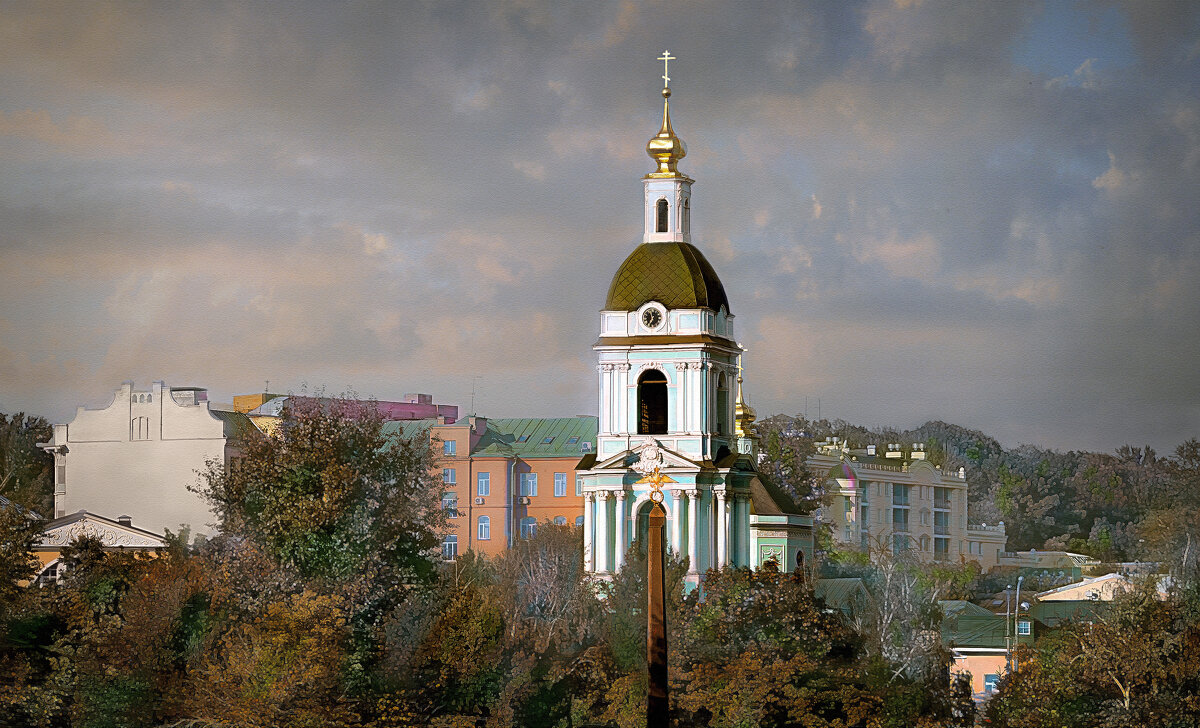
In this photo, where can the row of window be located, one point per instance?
(529, 483)
(483, 532)
(941, 519)
(901, 493)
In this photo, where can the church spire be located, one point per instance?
(665, 148)
(744, 414)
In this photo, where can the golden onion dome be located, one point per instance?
(744, 414)
(665, 148)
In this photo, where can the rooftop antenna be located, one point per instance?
(267, 387)
(473, 380)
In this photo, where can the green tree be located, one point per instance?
(26, 469)
(332, 496)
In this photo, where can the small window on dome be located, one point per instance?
(662, 216)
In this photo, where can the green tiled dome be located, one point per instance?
(674, 274)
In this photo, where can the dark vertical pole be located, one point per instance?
(656, 627)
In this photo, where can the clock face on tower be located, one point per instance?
(651, 318)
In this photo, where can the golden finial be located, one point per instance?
(665, 148)
(744, 414)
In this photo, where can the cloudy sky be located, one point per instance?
(987, 213)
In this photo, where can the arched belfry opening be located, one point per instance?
(662, 216)
(722, 404)
(652, 403)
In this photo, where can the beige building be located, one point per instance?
(897, 499)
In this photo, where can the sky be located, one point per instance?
(984, 213)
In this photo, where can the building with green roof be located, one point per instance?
(505, 478)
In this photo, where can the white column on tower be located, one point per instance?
(601, 554)
(619, 550)
(744, 524)
(681, 390)
(621, 398)
(676, 522)
(693, 522)
(722, 530)
(589, 502)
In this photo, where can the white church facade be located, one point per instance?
(670, 397)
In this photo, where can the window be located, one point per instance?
(579, 520)
(483, 484)
(652, 403)
(450, 548)
(722, 404)
(662, 217)
(900, 520)
(989, 682)
(866, 514)
(572, 439)
(449, 476)
(484, 532)
(560, 484)
(139, 428)
(529, 484)
(941, 498)
(1023, 627)
(449, 447)
(900, 495)
(941, 548)
(523, 438)
(849, 506)
(547, 440)
(450, 504)
(578, 485)
(528, 527)
(941, 523)
(560, 520)
(899, 543)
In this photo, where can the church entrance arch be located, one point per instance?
(652, 403)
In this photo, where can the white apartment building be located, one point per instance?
(900, 501)
(136, 456)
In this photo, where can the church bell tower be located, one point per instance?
(667, 355)
(671, 410)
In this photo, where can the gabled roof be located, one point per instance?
(970, 625)
(1053, 614)
(770, 500)
(963, 608)
(524, 438)
(846, 594)
(236, 424)
(64, 530)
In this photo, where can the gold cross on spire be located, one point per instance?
(666, 58)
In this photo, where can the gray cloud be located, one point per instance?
(402, 196)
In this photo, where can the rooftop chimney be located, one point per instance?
(125, 520)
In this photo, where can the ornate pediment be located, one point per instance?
(110, 533)
(645, 457)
